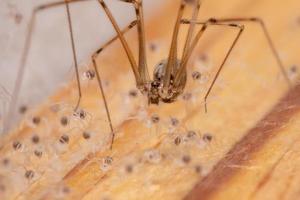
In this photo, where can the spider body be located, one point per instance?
(157, 92)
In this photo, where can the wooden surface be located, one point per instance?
(245, 147)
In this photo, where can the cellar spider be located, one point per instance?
(170, 76)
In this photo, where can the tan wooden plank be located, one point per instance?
(147, 164)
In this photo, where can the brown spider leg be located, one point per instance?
(23, 61)
(198, 36)
(139, 82)
(94, 56)
(191, 28)
(172, 59)
(269, 40)
(74, 54)
(143, 69)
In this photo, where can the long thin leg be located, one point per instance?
(74, 54)
(135, 69)
(143, 69)
(172, 59)
(23, 61)
(267, 35)
(198, 36)
(221, 66)
(105, 101)
(191, 28)
(130, 26)
(187, 56)
(94, 56)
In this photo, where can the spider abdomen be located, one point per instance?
(156, 93)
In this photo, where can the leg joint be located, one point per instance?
(132, 24)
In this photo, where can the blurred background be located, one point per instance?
(50, 62)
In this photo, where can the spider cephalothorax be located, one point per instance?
(157, 92)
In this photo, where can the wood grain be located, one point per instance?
(245, 147)
(267, 130)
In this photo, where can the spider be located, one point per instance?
(169, 76)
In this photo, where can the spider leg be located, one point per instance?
(143, 69)
(140, 80)
(94, 56)
(74, 54)
(191, 28)
(185, 60)
(267, 36)
(172, 58)
(24, 56)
